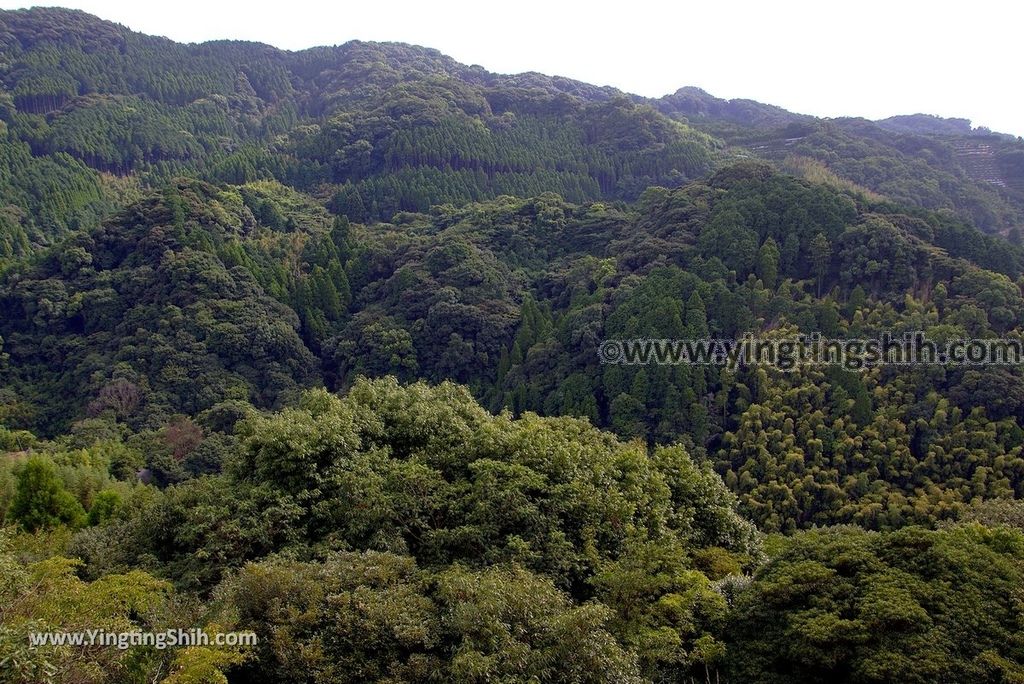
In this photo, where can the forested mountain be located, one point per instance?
(306, 343)
(381, 128)
(376, 128)
(199, 295)
(915, 160)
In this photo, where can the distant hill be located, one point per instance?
(378, 128)
(926, 124)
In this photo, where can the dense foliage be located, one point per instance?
(307, 344)
(912, 606)
(403, 533)
(200, 295)
(916, 160)
(90, 110)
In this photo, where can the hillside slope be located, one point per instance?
(92, 111)
(311, 346)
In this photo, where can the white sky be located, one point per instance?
(866, 58)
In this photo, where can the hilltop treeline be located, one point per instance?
(200, 295)
(92, 111)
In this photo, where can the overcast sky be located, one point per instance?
(866, 58)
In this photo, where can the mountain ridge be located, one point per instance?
(911, 122)
(348, 122)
